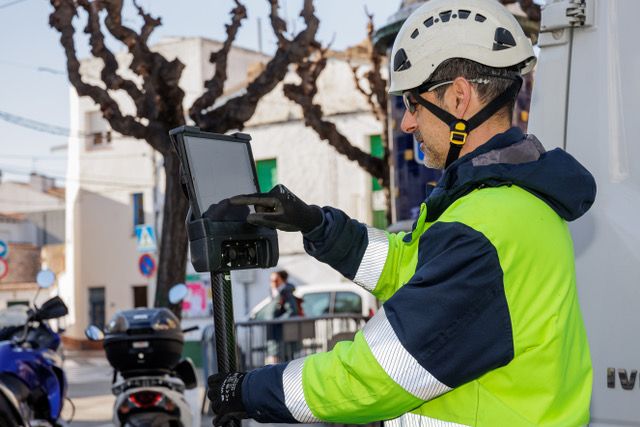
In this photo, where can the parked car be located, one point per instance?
(333, 312)
(323, 299)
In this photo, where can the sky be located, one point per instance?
(34, 85)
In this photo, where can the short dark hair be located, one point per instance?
(459, 67)
(283, 274)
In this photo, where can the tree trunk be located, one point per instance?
(173, 246)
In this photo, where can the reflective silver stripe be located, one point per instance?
(397, 362)
(293, 393)
(373, 259)
(415, 420)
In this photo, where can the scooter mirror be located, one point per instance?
(177, 293)
(93, 333)
(45, 278)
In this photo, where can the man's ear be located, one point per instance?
(460, 96)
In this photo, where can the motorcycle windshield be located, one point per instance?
(15, 315)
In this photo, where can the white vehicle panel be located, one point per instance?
(602, 124)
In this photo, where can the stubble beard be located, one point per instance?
(432, 158)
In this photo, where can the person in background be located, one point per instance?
(287, 305)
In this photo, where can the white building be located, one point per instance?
(114, 181)
(32, 229)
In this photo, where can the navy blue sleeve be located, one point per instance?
(263, 396)
(452, 316)
(340, 242)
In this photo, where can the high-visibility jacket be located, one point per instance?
(480, 324)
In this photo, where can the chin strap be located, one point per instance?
(459, 128)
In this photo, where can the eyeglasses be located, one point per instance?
(409, 102)
(412, 105)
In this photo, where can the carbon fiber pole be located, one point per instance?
(223, 322)
(225, 343)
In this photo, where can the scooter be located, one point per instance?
(33, 385)
(144, 346)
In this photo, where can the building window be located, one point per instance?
(96, 307)
(140, 296)
(98, 132)
(378, 208)
(137, 201)
(267, 174)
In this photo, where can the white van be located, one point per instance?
(586, 99)
(324, 299)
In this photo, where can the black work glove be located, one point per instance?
(281, 209)
(225, 211)
(225, 394)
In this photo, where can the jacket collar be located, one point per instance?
(458, 179)
(512, 158)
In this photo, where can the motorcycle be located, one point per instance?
(33, 385)
(144, 346)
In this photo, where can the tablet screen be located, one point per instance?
(219, 169)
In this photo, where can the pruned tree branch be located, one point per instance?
(150, 23)
(278, 24)
(303, 95)
(236, 111)
(61, 19)
(162, 102)
(109, 74)
(376, 94)
(215, 85)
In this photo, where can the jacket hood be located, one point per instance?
(513, 158)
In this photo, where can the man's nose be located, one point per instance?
(409, 123)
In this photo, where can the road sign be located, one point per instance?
(418, 155)
(4, 268)
(147, 265)
(4, 249)
(146, 238)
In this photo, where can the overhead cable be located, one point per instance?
(11, 3)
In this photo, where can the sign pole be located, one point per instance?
(225, 336)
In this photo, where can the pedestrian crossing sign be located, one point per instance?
(146, 238)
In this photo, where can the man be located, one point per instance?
(286, 305)
(283, 291)
(480, 324)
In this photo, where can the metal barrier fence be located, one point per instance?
(273, 341)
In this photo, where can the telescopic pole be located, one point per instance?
(225, 342)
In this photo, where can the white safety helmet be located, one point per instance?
(483, 31)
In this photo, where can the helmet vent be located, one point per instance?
(480, 18)
(400, 61)
(464, 14)
(415, 33)
(428, 22)
(445, 16)
(503, 39)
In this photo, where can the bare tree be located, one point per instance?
(158, 98)
(375, 92)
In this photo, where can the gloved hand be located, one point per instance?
(225, 211)
(225, 394)
(281, 209)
